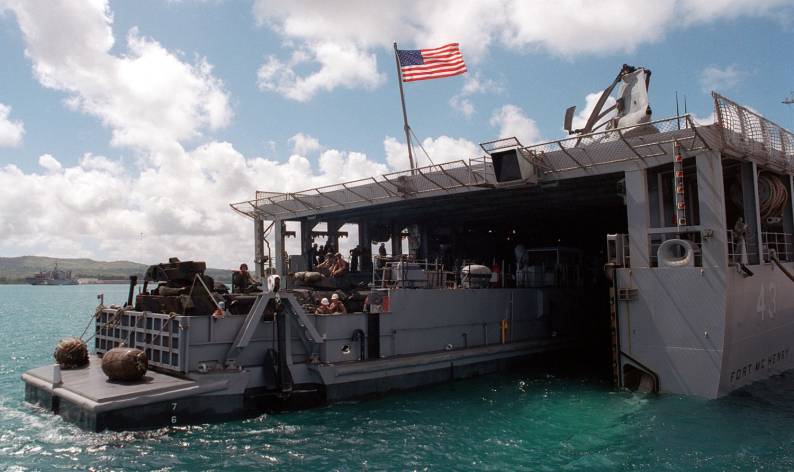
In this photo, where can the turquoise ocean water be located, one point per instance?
(513, 421)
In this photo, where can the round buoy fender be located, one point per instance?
(125, 363)
(71, 353)
(676, 253)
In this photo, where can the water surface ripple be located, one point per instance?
(514, 421)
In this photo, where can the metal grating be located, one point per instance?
(162, 337)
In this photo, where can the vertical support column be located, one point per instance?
(758, 211)
(655, 206)
(278, 247)
(396, 239)
(366, 245)
(306, 236)
(259, 246)
(638, 217)
(788, 220)
(752, 214)
(788, 215)
(711, 205)
(333, 233)
(306, 242)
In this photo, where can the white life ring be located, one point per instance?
(676, 253)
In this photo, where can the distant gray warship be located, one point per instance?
(55, 276)
(505, 259)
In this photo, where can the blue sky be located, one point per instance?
(199, 103)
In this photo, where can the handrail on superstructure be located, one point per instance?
(395, 185)
(613, 146)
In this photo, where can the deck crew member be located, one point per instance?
(381, 255)
(243, 281)
(324, 308)
(339, 267)
(327, 265)
(336, 304)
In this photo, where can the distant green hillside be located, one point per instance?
(17, 269)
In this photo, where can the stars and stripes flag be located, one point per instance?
(424, 64)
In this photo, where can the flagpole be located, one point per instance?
(405, 114)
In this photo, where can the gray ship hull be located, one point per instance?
(705, 330)
(54, 282)
(428, 337)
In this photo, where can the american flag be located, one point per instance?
(424, 64)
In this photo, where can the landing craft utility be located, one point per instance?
(465, 267)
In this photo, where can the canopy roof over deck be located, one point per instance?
(738, 132)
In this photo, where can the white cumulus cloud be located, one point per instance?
(303, 144)
(49, 163)
(565, 28)
(340, 65)
(474, 83)
(513, 122)
(725, 78)
(11, 131)
(148, 96)
(440, 149)
(99, 207)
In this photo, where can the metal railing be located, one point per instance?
(164, 338)
(779, 242)
(735, 250)
(483, 167)
(404, 272)
(751, 135)
(644, 141)
(396, 185)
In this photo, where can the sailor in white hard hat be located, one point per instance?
(336, 304)
(324, 308)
